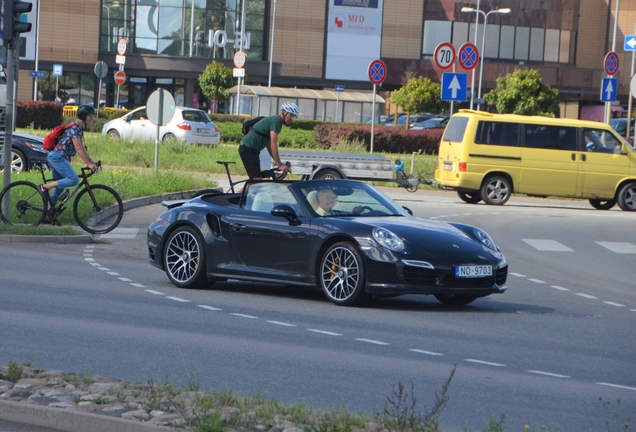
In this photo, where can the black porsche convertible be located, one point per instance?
(343, 236)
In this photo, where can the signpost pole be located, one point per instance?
(608, 105)
(373, 118)
(335, 117)
(628, 130)
(159, 123)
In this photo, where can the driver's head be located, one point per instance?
(327, 198)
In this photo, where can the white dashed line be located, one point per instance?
(154, 292)
(244, 316)
(633, 310)
(123, 279)
(90, 247)
(485, 363)
(371, 341)
(324, 332)
(95, 264)
(179, 299)
(112, 273)
(426, 352)
(619, 247)
(517, 275)
(103, 268)
(89, 259)
(587, 296)
(614, 304)
(537, 281)
(138, 285)
(616, 386)
(560, 288)
(282, 323)
(210, 308)
(548, 374)
(547, 245)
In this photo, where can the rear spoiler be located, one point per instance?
(174, 203)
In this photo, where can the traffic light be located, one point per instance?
(12, 26)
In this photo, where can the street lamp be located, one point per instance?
(108, 24)
(271, 46)
(483, 42)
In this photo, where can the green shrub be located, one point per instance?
(39, 114)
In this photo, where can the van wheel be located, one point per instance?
(627, 197)
(496, 190)
(469, 197)
(599, 204)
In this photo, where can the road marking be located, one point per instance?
(90, 247)
(324, 332)
(371, 341)
(548, 374)
(426, 352)
(210, 308)
(517, 275)
(614, 304)
(485, 362)
(121, 233)
(560, 288)
(586, 295)
(282, 323)
(94, 264)
(103, 268)
(89, 259)
(123, 279)
(619, 247)
(179, 299)
(547, 245)
(112, 273)
(138, 285)
(538, 281)
(244, 316)
(616, 386)
(154, 292)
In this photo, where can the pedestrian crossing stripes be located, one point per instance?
(546, 245)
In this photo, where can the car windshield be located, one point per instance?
(619, 125)
(431, 122)
(195, 116)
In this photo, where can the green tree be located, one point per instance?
(419, 95)
(216, 81)
(523, 92)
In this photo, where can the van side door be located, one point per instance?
(602, 164)
(549, 165)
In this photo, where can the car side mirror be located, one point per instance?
(285, 211)
(127, 119)
(408, 210)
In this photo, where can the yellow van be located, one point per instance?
(487, 157)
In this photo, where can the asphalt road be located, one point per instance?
(544, 352)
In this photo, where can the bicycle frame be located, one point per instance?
(84, 175)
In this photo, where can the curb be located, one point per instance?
(87, 238)
(71, 421)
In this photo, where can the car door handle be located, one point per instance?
(583, 158)
(238, 227)
(573, 156)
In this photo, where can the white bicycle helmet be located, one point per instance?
(290, 107)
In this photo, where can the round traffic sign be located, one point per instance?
(468, 56)
(239, 59)
(445, 55)
(611, 63)
(121, 46)
(101, 69)
(160, 107)
(377, 72)
(120, 77)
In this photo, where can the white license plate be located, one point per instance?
(200, 130)
(473, 271)
(448, 167)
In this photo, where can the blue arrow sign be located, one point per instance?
(608, 89)
(630, 43)
(340, 88)
(37, 74)
(454, 86)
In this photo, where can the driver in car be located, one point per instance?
(327, 200)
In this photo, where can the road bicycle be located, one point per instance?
(273, 173)
(97, 209)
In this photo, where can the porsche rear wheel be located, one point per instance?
(184, 258)
(342, 275)
(455, 300)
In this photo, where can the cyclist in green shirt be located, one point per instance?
(264, 134)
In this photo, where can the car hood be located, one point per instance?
(28, 137)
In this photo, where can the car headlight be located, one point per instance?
(387, 239)
(36, 147)
(484, 238)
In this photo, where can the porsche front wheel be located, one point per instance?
(184, 258)
(342, 276)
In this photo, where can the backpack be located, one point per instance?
(50, 141)
(247, 126)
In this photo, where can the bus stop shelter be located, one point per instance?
(325, 105)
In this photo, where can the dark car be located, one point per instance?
(433, 123)
(414, 119)
(25, 151)
(364, 245)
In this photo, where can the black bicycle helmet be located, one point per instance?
(85, 110)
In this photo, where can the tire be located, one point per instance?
(328, 174)
(184, 258)
(169, 138)
(455, 300)
(102, 216)
(496, 190)
(19, 162)
(341, 275)
(26, 204)
(469, 197)
(627, 197)
(113, 134)
(602, 204)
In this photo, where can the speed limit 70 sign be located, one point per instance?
(445, 55)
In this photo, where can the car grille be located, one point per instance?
(420, 276)
(501, 275)
(151, 254)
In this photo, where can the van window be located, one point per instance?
(550, 137)
(601, 141)
(497, 133)
(455, 129)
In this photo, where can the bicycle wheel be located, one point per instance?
(100, 215)
(21, 203)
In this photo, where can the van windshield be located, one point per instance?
(455, 129)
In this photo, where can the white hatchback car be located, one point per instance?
(189, 125)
